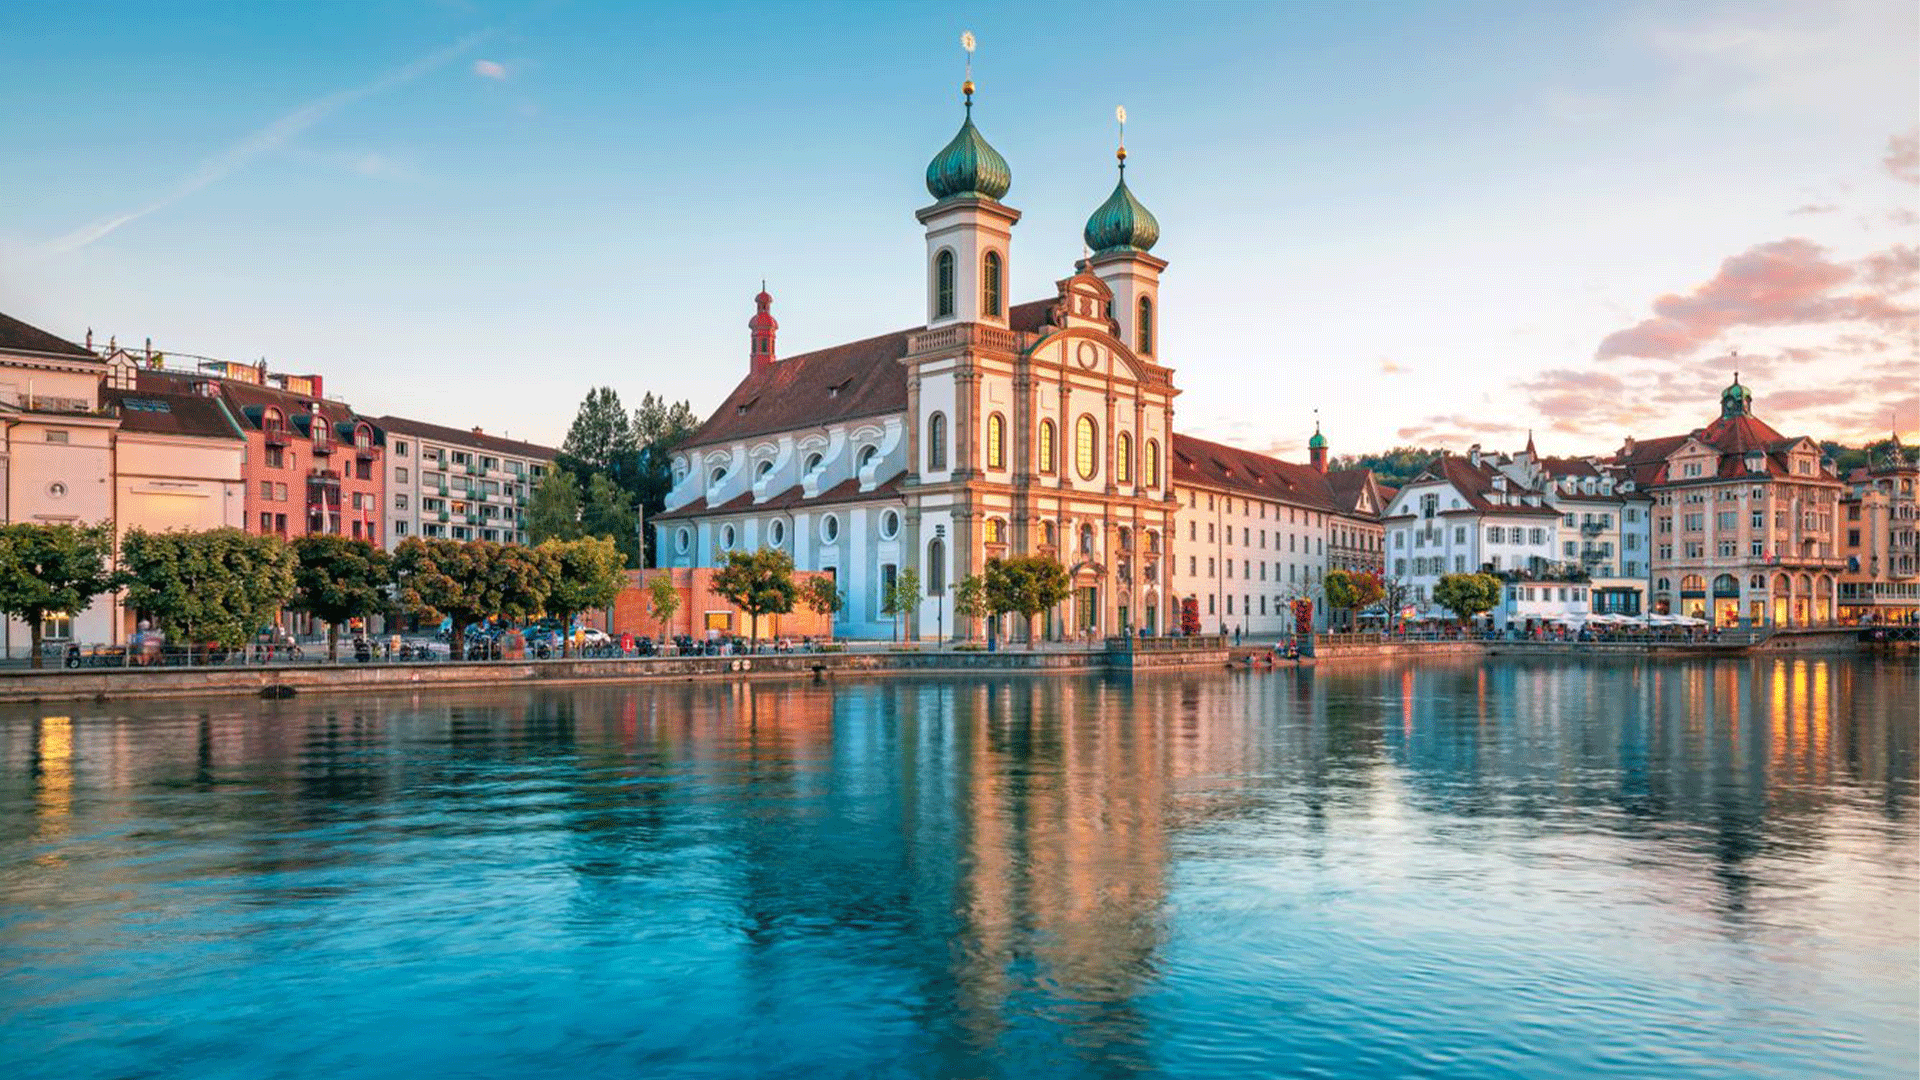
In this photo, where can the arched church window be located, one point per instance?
(1044, 451)
(996, 441)
(1085, 448)
(1146, 324)
(943, 283)
(990, 285)
(1153, 464)
(1123, 460)
(936, 567)
(936, 442)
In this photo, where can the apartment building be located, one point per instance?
(458, 484)
(1880, 542)
(1744, 520)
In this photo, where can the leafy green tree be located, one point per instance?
(609, 513)
(519, 578)
(663, 599)
(970, 601)
(903, 597)
(1026, 585)
(585, 574)
(1394, 467)
(658, 427)
(52, 570)
(337, 578)
(822, 595)
(601, 438)
(758, 583)
(1467, 595)
(553, 510)
(220, 586)
(1340, 591)
(452, 579)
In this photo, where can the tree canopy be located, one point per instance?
(220, 586)
(582, 575)
(609, 513)
(1393, 467)
(1467, 595)
(663, 600)
(337, 578)
(758, 583)
(52, 569)
(553, 510)
(1025, 585)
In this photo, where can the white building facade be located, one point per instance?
(444, 482)
(989, 430)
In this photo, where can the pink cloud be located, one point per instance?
(490, 69)
(1814, 208)
(1788, 282)
(1903, 157)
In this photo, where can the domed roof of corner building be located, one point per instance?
(968, 166)
(1121, 223)
(1318, 442)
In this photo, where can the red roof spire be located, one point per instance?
(763, 327)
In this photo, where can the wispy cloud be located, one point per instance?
(270, 137)
(490, 69)
(1903, 156)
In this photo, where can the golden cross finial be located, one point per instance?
(1120, 115)
(966, 42)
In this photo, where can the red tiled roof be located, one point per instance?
(846, 491)
(1201, 463)
(1475, 484)
(1733, 437)
(16, 336)
(827, 386)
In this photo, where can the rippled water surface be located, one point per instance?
(1517, 870)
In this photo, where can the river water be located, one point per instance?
(1517, 869)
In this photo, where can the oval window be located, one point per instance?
(830, 528)
(889, 525)
(683, 540)
(777, 532)
(726, 538)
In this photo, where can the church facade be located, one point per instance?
(988, 429)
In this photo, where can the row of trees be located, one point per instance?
(762, 583)
(612, 464)
(222, 586)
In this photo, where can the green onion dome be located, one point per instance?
(967, 166)
(1736, 400)
(1318, 442)
(1121, 223)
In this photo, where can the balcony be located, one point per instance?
(324, 477)
(322, 447)
(365, 451)
(1591, 528)
(277, 436)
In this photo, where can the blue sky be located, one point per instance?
(1433, 222)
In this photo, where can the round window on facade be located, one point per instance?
(57, 489)
(777, 532)
(726, 538)
(683, 540)
(830, 528)
(889, 525)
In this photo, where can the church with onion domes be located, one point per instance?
(986, 429)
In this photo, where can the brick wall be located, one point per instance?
(697, 602)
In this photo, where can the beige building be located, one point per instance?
(1744, 521)
(1880, 540)
(56, 454)
(1254, 533)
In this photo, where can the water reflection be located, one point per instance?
(1530, 868)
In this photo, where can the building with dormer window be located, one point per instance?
(989, 429)
(1744, 520)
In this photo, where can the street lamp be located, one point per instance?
(940, 608)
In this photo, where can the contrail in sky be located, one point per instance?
(267, 138)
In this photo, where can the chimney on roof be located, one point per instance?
(1627, 450)
(477, 431)
(761, 329)
(1473, 454)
